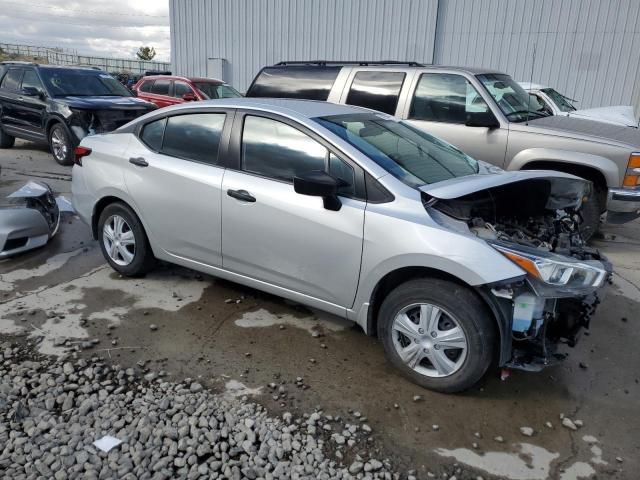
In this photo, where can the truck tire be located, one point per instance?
(438, 333)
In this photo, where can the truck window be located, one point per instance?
(376, 90)
(445, 97)
(307, 82)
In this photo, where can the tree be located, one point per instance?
(146, 53)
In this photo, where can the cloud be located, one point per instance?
(94, 27)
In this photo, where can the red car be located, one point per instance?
(165, 90)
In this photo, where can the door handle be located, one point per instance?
(241, 195)
(139, 161)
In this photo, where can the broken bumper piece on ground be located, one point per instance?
(29, 218)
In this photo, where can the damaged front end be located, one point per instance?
(533, 219)
(84, 122)
(29, 218)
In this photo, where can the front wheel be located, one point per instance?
(123, 241)
(61, 145)
(438, 333)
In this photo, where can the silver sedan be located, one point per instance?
(356, 213)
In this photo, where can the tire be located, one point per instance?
(61, 145)
(462, 314)
(6, 140)
(133, 258)
(591, 211)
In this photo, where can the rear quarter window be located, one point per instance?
(305, 82)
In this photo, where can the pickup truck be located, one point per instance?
(484, 113)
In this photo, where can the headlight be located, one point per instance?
(557, 271)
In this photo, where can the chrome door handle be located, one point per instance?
(241, 195)
(139, 161)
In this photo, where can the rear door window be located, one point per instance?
(194, 136)
(376, 90)
(161, 87)
(306, 82)
(12, 79)
(146, 86)
(445, 97)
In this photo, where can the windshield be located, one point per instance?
(514, 102)
(211, 90)
(82, 83)
(409, 154)
(560, 100)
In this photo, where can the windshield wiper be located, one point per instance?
(528, 112)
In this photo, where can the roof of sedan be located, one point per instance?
(304, 108)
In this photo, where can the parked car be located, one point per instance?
(451, 262)
(165, 90)
(485, 114)
(558, 104)
(61, 105)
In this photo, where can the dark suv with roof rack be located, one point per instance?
(62, 105)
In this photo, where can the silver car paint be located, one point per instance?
(513, 146)
(271, 253)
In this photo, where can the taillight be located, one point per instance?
(80, 152)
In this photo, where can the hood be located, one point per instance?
(107, 103)
(582, 128)
(618, 115)
(568, 190)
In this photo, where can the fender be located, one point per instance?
(605, 166)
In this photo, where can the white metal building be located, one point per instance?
(587, 49)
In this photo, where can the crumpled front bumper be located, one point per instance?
(29, 220)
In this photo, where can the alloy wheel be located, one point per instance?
(58, 145)
(429, 340)
(119, 241)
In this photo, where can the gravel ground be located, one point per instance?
(52, 410)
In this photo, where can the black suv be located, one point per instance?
(62, 105)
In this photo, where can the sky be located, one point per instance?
(114, 28)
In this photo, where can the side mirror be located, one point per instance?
(319, 184)
(482, 119)
(189, 97)
(31, 92)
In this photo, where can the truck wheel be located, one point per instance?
(61, 145)
(123, 241)
(591, 211)
(438, 333)
(6, 140)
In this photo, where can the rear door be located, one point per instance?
(9, 103)
(440, 104)
(174, 177)
(271, 233)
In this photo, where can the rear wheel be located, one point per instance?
(6, 140)
(61, 145)
(438, 333)
(123, 241)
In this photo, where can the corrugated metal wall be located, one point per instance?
(250, 34)
(587, 49)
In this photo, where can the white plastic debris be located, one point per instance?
(64, 205)
(106, 443)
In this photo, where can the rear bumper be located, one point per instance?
(623, 205)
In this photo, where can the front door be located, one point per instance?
(271, 233)
(174, 178)
(440, 106)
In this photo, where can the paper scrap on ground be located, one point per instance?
(106, 443)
